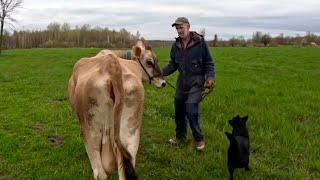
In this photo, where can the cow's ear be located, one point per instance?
(136, 51)
(148, 48)
(140, 44)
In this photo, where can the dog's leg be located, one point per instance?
(247, 168)
(231, 169)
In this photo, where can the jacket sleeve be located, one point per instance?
(208, 63)
(172, 66)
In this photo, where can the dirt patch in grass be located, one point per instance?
(55, 141)
(3, 108)
(4, 176)
(3, 173)
(302, 118)
(37, 127)
(314, 170)
(7, 129)
(60, 99)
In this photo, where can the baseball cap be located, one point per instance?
(180, 20)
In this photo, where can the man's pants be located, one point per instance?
(184, 112)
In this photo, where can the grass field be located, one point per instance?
(279, 88)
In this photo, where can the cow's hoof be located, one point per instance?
(99, 175)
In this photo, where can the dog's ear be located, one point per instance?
(236, 119)
(245, 119)
(231, 122)
(230, 136)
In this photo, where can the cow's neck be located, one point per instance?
(133, 67)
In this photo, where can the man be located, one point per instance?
(191, 56)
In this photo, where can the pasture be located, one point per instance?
(278, 87)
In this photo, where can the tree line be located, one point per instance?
(62, 35)
(258, 39)
(264, 39)
(57, 35)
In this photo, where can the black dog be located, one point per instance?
(238, 152)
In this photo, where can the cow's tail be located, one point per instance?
(118, 92)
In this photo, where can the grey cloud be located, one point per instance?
(153, 19)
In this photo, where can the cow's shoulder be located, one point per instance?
(80, 64)
(95, 73)
(105, 52)
(132, 85)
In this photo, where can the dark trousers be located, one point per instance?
(184, 112)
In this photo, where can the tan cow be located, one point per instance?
(107, 94)
(314, 44)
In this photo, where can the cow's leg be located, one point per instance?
(108, 158)
(132, 150)
(92, 142)
(133, 145)
(121, 170)
(129, 136)
(130, 125)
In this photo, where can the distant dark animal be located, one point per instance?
(238, 152)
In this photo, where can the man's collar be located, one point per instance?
(194, 38)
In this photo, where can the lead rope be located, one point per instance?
(205, 91)
(170, 85)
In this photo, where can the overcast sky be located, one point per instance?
(153, 20)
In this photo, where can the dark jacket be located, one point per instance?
(195, 65)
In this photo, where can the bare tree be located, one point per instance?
(203, 32)
(265, 39)
(7, 9)
(215, 40)
(256, 37)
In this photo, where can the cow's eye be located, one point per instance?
(149, 62)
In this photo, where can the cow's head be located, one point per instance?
(149, 64)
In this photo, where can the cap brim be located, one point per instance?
(180, 23)
(174, 24)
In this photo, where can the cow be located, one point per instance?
(107, 95)
(314, 44)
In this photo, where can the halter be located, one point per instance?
(144, 69)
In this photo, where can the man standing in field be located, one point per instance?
(191, 56)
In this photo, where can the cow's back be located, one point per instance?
(91, 78)
(120, 53)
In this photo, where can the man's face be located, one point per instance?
(183, 30)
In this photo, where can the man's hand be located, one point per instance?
(209, 84)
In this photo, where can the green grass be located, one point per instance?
(278, 88)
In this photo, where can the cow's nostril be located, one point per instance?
(163, 84)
